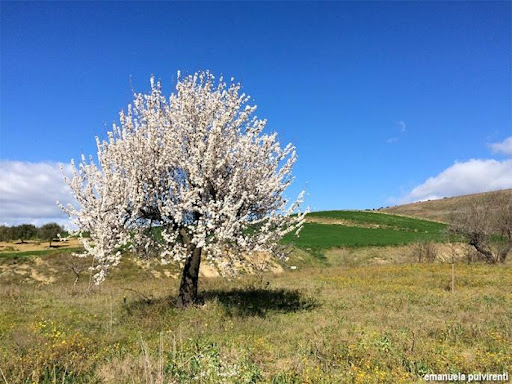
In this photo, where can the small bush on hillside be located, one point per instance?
(425, 251)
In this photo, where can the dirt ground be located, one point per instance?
(41, 269)
(32, 245)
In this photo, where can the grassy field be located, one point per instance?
(364, 312)
(325, 236)
(39, 252)
(380, 220)
(335, 229)
(366, 324)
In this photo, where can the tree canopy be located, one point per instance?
(196, 166)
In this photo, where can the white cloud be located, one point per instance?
(29, 191)
(504, 147)
(402, 126)
(473, 176)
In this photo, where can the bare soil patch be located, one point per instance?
(32, 245)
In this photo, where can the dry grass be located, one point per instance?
(351, 323)
(349, 223)
(441, 209)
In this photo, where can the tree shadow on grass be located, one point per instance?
(260, 302)
(239, 302)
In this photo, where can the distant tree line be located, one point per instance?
(24, 232)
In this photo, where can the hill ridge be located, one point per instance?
(440, 209)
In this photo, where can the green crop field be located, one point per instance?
(361, 229)
(324, 236)
(381, 219)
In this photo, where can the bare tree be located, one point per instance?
(487, 226)
(425, 251)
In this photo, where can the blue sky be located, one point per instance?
(386, 102)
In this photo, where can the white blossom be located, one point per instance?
(196, 164)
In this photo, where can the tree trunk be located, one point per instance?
(188, 287)
(489, 256)
(504, 252)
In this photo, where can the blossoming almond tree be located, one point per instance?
(187, 177)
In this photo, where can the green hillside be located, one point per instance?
(384, 220)
(329, 229)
